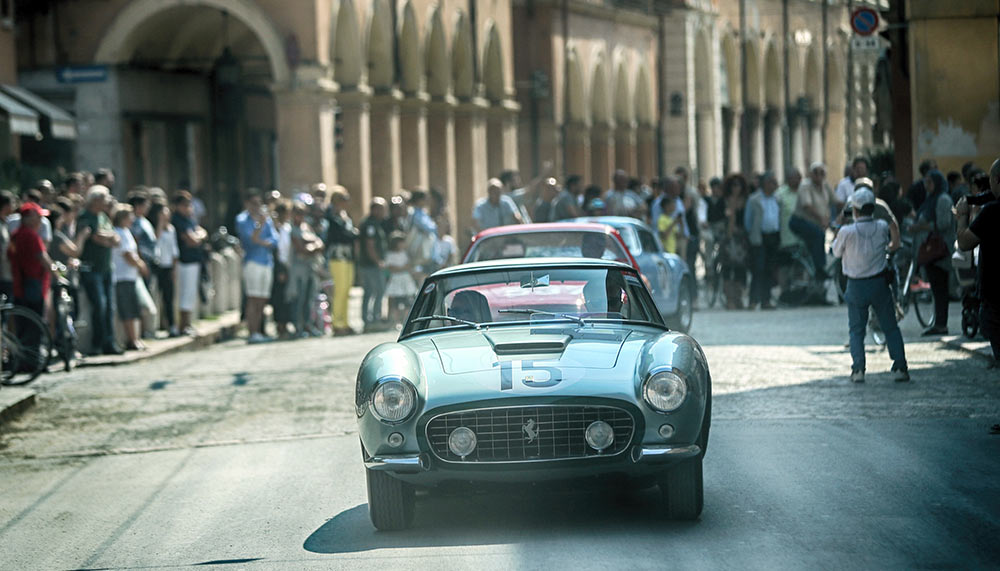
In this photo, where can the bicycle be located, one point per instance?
(22, 360)
(64, 338)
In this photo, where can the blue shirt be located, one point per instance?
(183, 225)
(252, 251)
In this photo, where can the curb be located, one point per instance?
(14, 401)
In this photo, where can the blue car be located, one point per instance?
(668, 277)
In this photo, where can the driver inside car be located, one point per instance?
(605, 299)
(471, 306)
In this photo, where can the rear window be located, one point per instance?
(564, 244)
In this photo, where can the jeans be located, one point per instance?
(165, 283)
(763, 260)
(989, 322)
(815, 238)
(873, 292)
(302, 296)
(373, 283)
(97, 286)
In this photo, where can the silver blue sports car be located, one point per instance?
(531, 370)
(671, 281)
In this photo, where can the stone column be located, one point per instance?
(733, 133)
(776, 162)
(470, 163)
(645, 151)
(602, 153)
(99, 120)
(578, 150)
(305, 137)
(816, 141)
(413, 141)
(625, 149)
(758, 143)
(706, 166)
(354, 154)
(797, 141)
(441, 155)
(385, 151)
(495, 155)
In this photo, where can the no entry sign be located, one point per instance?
(864, 21)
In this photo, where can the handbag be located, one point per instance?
(932, 250)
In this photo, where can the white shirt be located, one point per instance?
(167, 248)
(862, 247)
(45, 231)
(123, 271)
(284, 243)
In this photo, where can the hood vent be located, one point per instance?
(517, 347)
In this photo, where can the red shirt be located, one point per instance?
(25, 254)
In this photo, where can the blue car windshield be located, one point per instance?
(531, 294)
(549, 244)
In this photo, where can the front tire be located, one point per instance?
(682, 490)
(682, 319)
(391, 502)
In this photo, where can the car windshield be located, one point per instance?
(574, 295)
(549, 244)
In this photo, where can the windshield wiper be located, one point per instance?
(530, 311)
(447, 318)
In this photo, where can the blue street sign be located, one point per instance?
(864, 21)
(82, 74)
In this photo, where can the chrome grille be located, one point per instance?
(502, 434)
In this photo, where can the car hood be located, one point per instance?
(589, 347)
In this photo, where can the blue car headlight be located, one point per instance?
(393, 400)
(664, 390)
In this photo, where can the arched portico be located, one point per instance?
(602, 151)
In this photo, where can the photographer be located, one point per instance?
(862, 246)
(984, 232)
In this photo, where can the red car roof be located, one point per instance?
(552, 227)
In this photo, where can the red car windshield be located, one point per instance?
(549, 244)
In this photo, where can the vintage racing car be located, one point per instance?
(532, 370)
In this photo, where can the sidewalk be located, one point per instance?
(15, 400)
(977, 346)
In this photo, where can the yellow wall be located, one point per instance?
(954, 75)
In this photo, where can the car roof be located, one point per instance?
(611, 220)
(523, 263)
(588, 226)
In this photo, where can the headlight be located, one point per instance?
(393, 400)
(665, 391)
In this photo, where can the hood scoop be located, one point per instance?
(530, 344)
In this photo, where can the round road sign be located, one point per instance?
(864, 21)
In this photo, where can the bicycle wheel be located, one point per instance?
(26, 359)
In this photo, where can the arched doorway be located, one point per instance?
(625, 136)
(577, 143)
(602, 153)
(731, 103)
(753, 134)
(194, 86)
(646, 129)
(773, 136)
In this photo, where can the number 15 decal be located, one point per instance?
(531, 374)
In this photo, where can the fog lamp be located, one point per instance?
(462, 441)
(599, 435)
(395, 440)
(666, 431)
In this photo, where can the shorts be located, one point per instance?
(187, 286)
(127, 300)
(257, 279)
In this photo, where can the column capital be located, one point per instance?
(476, 107)
(505, 108)
(387, 100)
(414, 103)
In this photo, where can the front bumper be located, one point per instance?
(424, 469)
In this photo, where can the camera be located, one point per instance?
(981, 198)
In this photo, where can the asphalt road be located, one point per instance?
(245, 457)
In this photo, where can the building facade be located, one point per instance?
(219, 95)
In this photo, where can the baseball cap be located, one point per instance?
(32, 207)
(862, 197)
(864, 182)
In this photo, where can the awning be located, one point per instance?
(23, 120)
(63, 125)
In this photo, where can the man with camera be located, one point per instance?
(984, 231)
(862, 246)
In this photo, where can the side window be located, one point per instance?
(643, 308)
(647, 241)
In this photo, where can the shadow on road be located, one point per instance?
(498, 518)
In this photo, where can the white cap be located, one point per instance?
(861, 197)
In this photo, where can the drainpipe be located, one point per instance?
(660, 95)
(564, 14)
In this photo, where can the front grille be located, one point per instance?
(502, 434)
